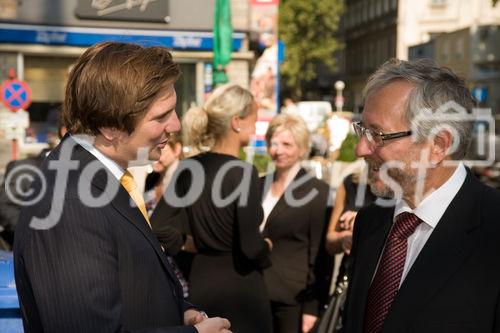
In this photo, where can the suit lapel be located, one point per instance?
(278, 208)
(282, 203)
(368, 253)
(122, 204)
(446, 249)
(120, 201)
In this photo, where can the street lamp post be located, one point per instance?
(339, 99)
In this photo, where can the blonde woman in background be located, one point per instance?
(162, 170)
(226, 275)
(296, 214)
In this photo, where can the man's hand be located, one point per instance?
(308, 322)
(193, 317)
(214, 325)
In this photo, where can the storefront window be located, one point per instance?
(186, 88)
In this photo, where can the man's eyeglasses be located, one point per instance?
(377, 138)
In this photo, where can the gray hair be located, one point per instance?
(437, 100)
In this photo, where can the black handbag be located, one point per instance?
(330, 320)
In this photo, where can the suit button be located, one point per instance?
(174, 293)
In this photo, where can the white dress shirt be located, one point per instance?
(270, 200)
(430, 211)
(111, 165)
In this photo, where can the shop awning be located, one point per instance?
(82, 36)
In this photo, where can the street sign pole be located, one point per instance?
(14, 149)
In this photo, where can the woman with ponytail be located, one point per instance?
(226, 275)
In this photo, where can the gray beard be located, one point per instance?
(405, 180)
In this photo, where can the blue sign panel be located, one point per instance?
(83, 37)
(281, 51)
(10, 314)
(8, 296)
(480, 94)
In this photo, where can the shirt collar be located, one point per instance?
(432, 208)
(292, 173)
(86, 142)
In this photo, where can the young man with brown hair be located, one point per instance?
(86, 259)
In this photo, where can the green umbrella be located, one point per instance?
(223, 40)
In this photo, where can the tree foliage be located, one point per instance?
(308, 30)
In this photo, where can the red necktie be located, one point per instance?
(386, 282)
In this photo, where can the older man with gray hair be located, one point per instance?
(429, 262)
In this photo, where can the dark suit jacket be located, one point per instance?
(454, 284)
(99, 269)
(301, 269)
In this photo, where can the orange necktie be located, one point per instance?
(128, 183)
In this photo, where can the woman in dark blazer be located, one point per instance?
(296, 215)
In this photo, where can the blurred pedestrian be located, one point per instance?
(85, 257)
(172, 233)
(19, 174)
(348, 202)
(226, 274)
(289, 106)
(296, 215)
(158, 179)
(18, 178)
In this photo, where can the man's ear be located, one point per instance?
(110, 134)
(443, 146)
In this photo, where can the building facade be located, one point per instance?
(370, 37)
(376, 30)
(41, 39)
